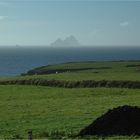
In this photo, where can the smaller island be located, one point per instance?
(67, 42)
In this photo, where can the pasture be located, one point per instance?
(44, 109)
(57, 112)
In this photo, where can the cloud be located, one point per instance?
(124, 24)
(3, 17)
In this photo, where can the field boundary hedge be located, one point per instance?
(75, 84)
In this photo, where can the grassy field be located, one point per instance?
(99, 71)
(45, 110)
(119, 70)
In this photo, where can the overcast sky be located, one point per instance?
(40, 22)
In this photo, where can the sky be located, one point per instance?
(92, 22)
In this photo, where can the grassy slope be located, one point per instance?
(118, 71)
(44, 109)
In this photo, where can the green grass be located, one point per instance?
(45, 109)
(104, 75)
(90, 64)
(118, 71)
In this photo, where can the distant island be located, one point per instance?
(69, 41)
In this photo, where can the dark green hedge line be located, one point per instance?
(74, 84)
(132, 65)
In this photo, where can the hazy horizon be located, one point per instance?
(93, 23)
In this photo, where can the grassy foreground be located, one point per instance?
(45, 109)
(52, 112)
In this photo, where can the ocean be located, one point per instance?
(17, 60)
